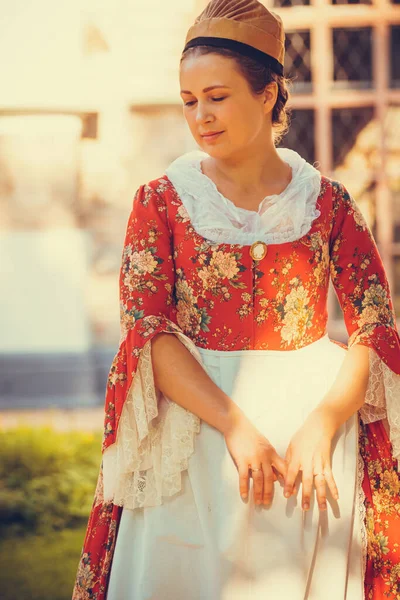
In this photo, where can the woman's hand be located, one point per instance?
(309, 451)
(248, 447)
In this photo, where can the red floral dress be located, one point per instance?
(216, 295)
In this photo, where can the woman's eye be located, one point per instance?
(214, 100)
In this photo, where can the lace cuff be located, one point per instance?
(382, 399)
(154, 441)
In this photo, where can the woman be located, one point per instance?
(211, 433)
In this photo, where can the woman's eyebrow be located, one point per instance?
(207, 89)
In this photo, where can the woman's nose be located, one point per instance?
(202, 114)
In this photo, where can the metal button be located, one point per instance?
(258, 250)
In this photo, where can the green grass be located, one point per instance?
(40, 567)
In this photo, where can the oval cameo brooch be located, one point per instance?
(258, 250)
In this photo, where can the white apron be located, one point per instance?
(207, 543)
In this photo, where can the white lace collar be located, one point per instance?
(283, 217)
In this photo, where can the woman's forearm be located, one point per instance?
(347, 393)
(180, 377)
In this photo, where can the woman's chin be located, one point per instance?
(215, 150)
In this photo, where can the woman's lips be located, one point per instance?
(211, 137)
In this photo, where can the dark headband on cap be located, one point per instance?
(240, 47)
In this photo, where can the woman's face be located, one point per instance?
(217, 98)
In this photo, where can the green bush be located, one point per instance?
(47, 478)
(40, 567)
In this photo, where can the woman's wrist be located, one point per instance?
(326, 418)
(232, 417)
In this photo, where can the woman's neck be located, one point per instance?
(253, 176)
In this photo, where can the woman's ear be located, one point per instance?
(270, 95)
(271, 92)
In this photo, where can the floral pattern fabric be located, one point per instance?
(174, 280)
(381, 486)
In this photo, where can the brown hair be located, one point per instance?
(257, 76)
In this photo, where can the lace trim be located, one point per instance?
(99, 492)
(382, 399)
(155, 439)
(360, 505)
(281, 218)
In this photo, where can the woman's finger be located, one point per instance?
(319, 482)
(280, 464)
(268, 491)
(258, 484)
(320, 486)
(278, 476)
(243, 470)
(331, 482)
(307, 486)
(292, 471)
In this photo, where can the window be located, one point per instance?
(344, 56)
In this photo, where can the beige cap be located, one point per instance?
(245, 26)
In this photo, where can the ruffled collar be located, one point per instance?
(280, 217)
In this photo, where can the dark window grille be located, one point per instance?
(396, 214)
(300, 136)
(298, 60)
(396, 286)
(347, 123)
(282, 3)
(352, 56)
(351, 1)
(395, 56)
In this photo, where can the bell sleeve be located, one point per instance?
(147, 439)
(362, 288)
